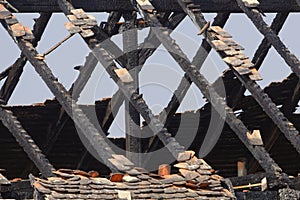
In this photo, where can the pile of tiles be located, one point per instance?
(195, 180)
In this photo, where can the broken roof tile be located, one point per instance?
(134, 184)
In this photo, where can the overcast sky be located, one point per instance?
(160, 75)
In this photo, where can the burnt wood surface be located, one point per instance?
(166, 5)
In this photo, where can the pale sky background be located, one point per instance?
(161, 74)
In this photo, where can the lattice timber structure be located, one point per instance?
(257, 152)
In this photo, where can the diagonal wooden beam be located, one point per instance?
(111, 25)
(106, 58)
(117, 99)
(166, 115)
(12, 79)
(186, 82)
(218, 102)
(248, 80)
(255, 16)
(57, 126)
(261, 53)
(265, 45)
(26, 142)
(85, 73)
(5, 73)
(287, 108)
(96, 138)
(16, 69)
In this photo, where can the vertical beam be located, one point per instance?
(117, 99)
(241, 167)
(255, 16)
(106, 58)
(132, 117)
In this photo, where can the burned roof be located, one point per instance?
(195, 180)
(38, 118)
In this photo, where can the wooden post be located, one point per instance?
(132, 117)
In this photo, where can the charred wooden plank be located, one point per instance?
(95, 137)
(144, 54)
(166, 5)
(218, 102)
(263, 99)
(132, 117)
(186, 82)
(259, 56)
(16, 69)
(26, 142)
(272, 37)
(106, 59)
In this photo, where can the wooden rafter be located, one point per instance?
(260, 54)
(255, 16)
(117, 99)
(111, 25)
(248, 81)
(95, 137)
(16, 69)
(288, 107)
(218, 102)
(185, 83)
(132, 117)
(166, 5)
(26, 142)
(106, 58)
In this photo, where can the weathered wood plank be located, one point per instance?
(166, 5)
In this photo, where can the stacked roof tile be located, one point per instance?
(195, 180)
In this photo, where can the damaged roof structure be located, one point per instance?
(257, 153)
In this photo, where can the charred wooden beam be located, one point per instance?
(186, 82)
(287, 109)
(16, 69)
(166, 5)
(5, 73)
(26, 142)
(166, 115)
(261, 54)
(265, 45)
(148, 47)
(244, 70)
(255, 16)
(132, 117)
(77, 87)
(85, 73)
(217, 102)
(106, 58)
(111, 25)
(95, 137)
(12, 79)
